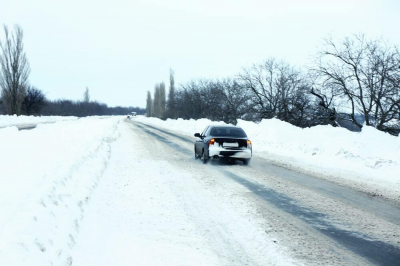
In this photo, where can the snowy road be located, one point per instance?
(122, 192)
(155, 207)
(319, 222)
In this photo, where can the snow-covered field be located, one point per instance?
(7, 120)
(368, 161)
(90, 192)
(47, 176)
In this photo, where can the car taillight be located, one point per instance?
(248, 143)
(211, 142)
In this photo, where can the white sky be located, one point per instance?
(121, 48)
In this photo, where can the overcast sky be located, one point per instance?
(121, 48)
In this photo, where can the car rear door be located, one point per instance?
(199, 141)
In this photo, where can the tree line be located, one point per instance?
(352, 82)
(18, 97)
(36, 103)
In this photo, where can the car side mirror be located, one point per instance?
(197, 135)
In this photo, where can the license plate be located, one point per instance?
(227, 144)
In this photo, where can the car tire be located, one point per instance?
(246, 161)
(203, 157)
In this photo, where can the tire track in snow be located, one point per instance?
(378, 252)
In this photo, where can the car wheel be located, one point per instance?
(246, 161)
(204, 157)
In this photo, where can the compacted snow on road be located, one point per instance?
(113, 191)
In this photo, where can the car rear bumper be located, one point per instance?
(218, 152)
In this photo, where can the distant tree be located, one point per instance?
(34, 101)
(149, 105)
(305, 111)
(365, 75)
(271, 84)
(156, 112)
(216, 100)
(80, 109)
(2, 108)
(278, 90)
(60, 108)
(237, 101)
(159, 99)
(325, 100)
(190, 100)
(14, 70)
(171, 112)
(354, 82)
(162, 100)
(86, 96)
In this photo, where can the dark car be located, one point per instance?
(223, 141)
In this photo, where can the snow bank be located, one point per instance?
(13, 120)
(47, 176)
(188, 127)
(369, 160)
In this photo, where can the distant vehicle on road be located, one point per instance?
(133, 114)
(223, 142)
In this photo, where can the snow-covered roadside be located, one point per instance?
(13, 120)
(47, 177)
(368, 161)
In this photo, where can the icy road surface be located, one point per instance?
(122, 192)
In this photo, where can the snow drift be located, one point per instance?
(14, 120)
(47, 176)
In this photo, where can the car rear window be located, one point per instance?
(228, 132)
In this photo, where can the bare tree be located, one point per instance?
(171, 112)
(191, 100)
(156, 102)
(326, 112)
(14, 70)
(2, 108)
(86, 96)
(222, 100)
(236, 101)
(34, 101)
(162, 101)
(149, 105)
(365, 73)
(159, 104)
(278, 90)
